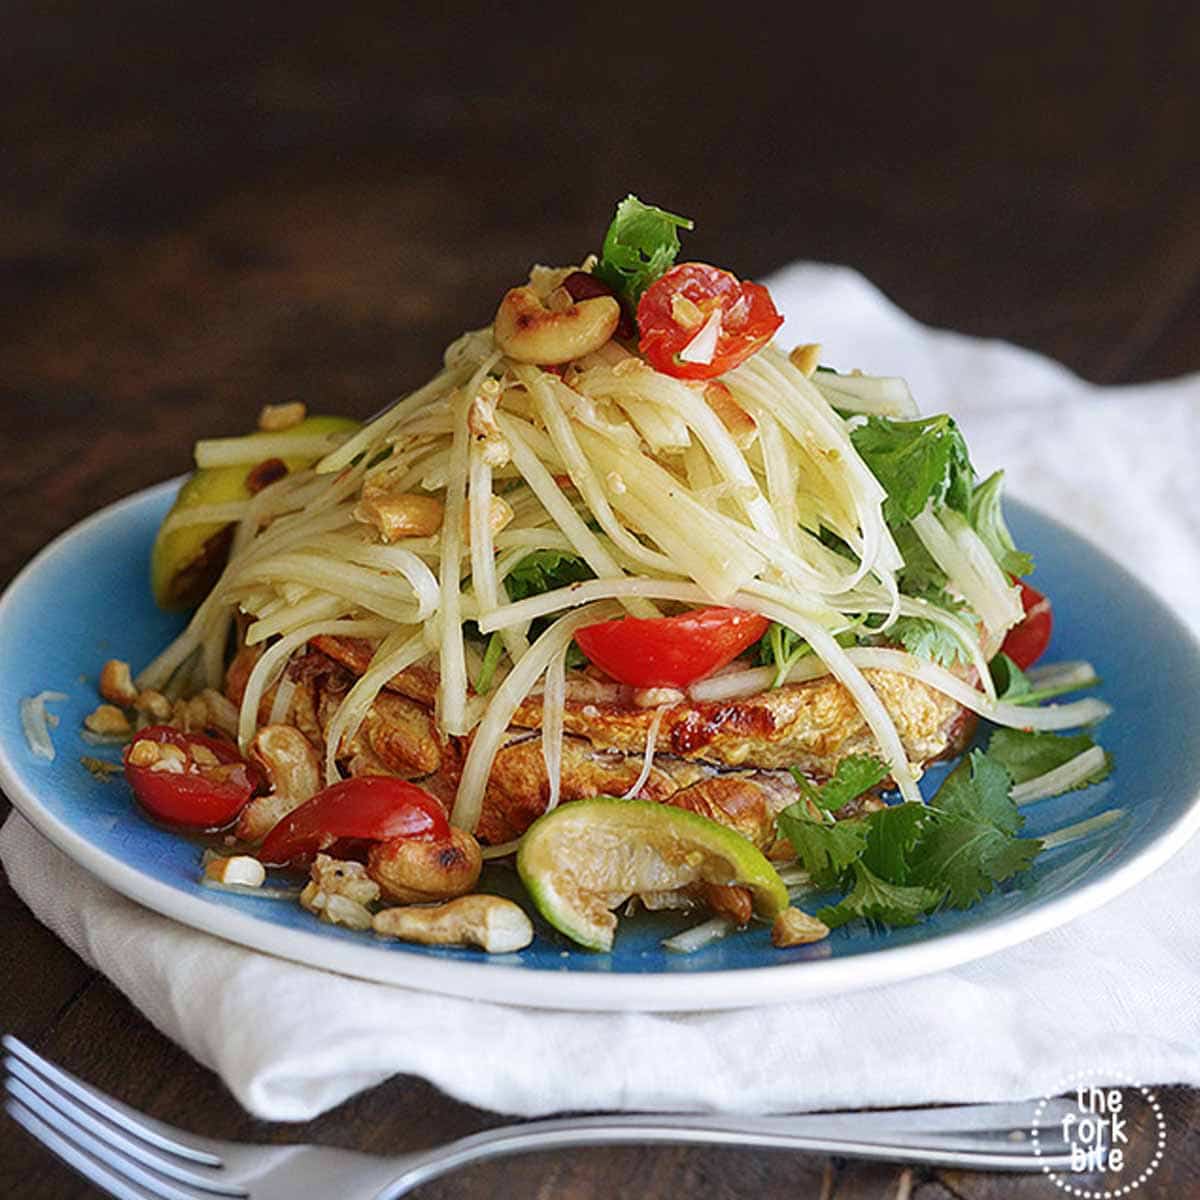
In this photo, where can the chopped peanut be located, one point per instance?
(107, 719)
(337, 910)
(171, 759)
(499, 514)
(339, 892)
(116, 683)
(793, 927)
(153, 705)
(243, 870)
(686, 313)
(656, 697)
(274, 418)
(805, 358)
(203, 756)
(349, 879)
(400, 514)
(481, 421)
(143, 753)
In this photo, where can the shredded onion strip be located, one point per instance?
(398, 651)
(504, 703)
(553, 700)
(647, 756)
(35, 723)
(1062, 778)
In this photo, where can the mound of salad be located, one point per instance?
(630, 597)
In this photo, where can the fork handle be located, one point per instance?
(982, 1150)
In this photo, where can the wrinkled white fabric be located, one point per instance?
(1119, 988)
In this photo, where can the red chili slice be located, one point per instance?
(675, 309)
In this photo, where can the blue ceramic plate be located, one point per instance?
(85, 599)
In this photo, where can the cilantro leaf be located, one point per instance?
(927, 639)
(892, 835)
(826, 848)
(543, 571)
(918, 462)
(971, 842)
(920, 575)
(874, 899)
(1028, 755)
(640, 245)
(967, 858)
(987, 516)
(978, 789)
(855, 775)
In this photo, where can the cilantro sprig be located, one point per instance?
(640, 245)
(918, 462)
(544, 571)
(897, 865)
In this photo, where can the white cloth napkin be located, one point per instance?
(1118, 988)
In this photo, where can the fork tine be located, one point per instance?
(150, 1181)
(23, 1083)
(83, 1164)
(156, 1133)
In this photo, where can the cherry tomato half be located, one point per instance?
(1027, 642)
(670, 651)
(204, 793)
(675, 309)
(370, 808)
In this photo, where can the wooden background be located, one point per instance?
(205, 210)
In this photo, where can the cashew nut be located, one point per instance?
(108, 720)
(399, 514)
(412, 872)
(793, 927)
(494, 924)
(526, 330)
(291, 766)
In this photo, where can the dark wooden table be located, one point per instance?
(205, 211)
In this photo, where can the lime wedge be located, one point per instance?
(584, 859)
(186, 560)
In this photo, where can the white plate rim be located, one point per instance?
(577, 991)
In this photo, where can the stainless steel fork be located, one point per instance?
(134, 1157)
